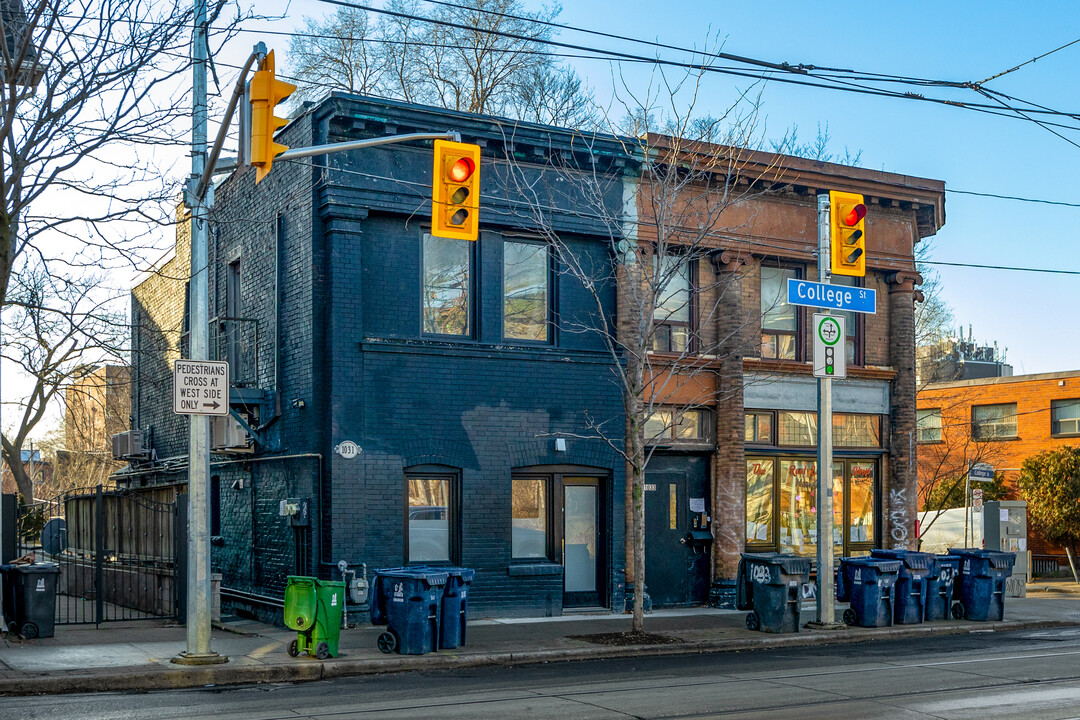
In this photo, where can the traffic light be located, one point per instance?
(265, 93)
(455, 191)
(848, 235)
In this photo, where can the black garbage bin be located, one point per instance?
(911, 583)
(455, 606)
(774, 584)
(869, 584)
(981, 582)
(32, 596)
(408, 601)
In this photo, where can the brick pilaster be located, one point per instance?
(899, 486)
(729, 459)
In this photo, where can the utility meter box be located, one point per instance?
(1005, 528)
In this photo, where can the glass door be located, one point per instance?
(581, 541)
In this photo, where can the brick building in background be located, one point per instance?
(97, 406)
(1001, 421)
(383, 378)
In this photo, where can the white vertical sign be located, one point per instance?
(830, 358)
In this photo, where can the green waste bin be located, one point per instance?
(313, 608)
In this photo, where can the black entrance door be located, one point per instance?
(676, 502)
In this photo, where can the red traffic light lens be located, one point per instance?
(854, 215)
(461, 169)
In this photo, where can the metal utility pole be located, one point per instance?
(826, 606)
(198, 576)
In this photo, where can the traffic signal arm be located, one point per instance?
(847, 236)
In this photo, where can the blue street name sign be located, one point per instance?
(981, 472)
(833, 297)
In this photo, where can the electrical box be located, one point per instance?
(1005, 528)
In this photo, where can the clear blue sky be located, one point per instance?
(1025, 312)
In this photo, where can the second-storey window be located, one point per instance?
(779, 320)
(673, 304)
(928, 425)
(1065, 417)
(993, 422)
(852, 334)
(526, 303)
(447, 266)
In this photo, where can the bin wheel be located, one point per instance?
(959, 611)
(850, 617)
(753, 622)
(29, 631)
(294, 648)
(387, 642)
(322, 651)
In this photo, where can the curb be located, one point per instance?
(160, 677)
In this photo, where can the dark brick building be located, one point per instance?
(345, 323)
(431, 399)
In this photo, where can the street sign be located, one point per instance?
(976, 498)
(200, 387)
(830, 360)
(831, 297)
(981, 472)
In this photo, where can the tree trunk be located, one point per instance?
(639, 549)
(22, 480)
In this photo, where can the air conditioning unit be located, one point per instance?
(229, 436)
(130, 446)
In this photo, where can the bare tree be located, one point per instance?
(817, 149)
(52, 327)
(481, 56)
(672, 244)
(342, 52)
(947, 449)
(89, 89)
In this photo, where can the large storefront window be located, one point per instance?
(782, 505)
(759, 501)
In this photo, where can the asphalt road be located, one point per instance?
(1033, 675)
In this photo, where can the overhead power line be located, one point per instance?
(705, 67)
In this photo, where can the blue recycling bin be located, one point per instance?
(911, 585)
(455, 606)
(772, 585)
(408, 601)
(939, 589)
(870, 586)
(981, 582)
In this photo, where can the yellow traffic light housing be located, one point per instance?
(848, 233)
(265, 93)
(455, 191)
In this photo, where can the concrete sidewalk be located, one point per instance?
(136, 655)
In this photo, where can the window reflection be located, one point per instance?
(798, 507)
(530, 514)
(446, 286)
(525, 291)
(759, 500)
(429, 524)
(862, 502)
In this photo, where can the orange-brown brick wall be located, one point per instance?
(1032, 395)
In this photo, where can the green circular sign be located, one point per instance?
(829, 331)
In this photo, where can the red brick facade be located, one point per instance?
(1032, 394)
